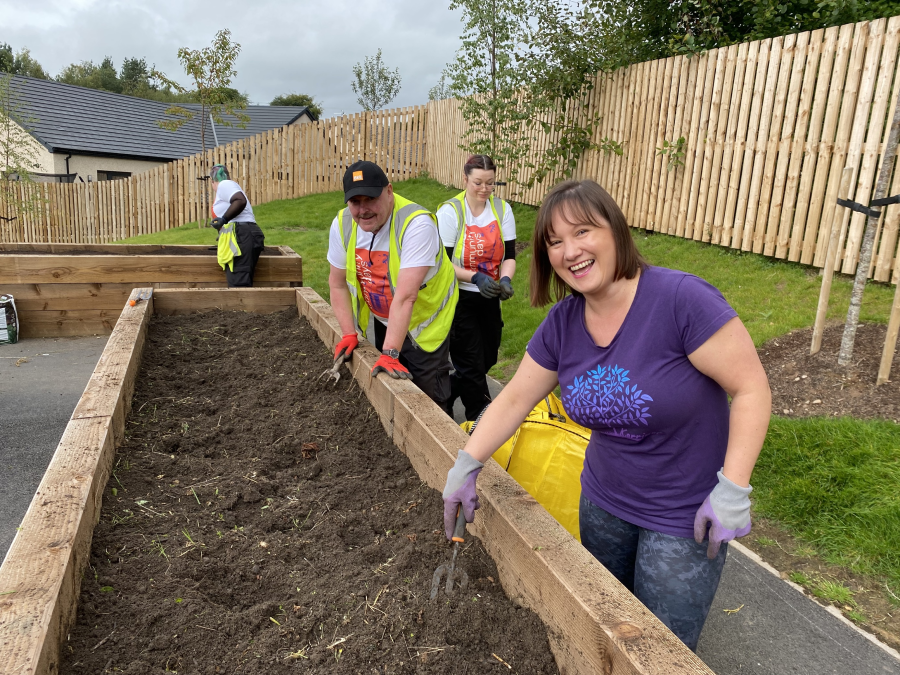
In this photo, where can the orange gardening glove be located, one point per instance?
(391, 366)
(345, 347)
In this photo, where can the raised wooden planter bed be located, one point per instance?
(596, 626)
(79, 289)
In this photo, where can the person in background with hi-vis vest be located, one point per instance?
(479, 233)
(240, 239)
(387, 261)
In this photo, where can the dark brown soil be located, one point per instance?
(815, 386)
(806, 386)
(259, 521)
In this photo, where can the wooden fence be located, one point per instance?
(291, 161)
(768, 128)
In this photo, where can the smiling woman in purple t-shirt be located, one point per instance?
(646, 357)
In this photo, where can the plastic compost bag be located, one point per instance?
(546, 456)
(9, 321)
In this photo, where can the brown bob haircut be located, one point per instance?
(587, 203)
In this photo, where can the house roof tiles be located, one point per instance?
(67, 118)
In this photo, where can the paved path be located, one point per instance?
(777, 631)
(37, 398)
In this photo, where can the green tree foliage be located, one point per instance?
(375, 85)
(18, 152)
(524, 66)
(211, 70)
(488, 79)
(20, 63)
(134, 79)
(87, 74)
(299, 99)
(441, 90)
(650, 29)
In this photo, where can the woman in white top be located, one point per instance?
(479, 233)
(232, 206)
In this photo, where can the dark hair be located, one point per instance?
(483, 162)
(585, 202)
(218, 173)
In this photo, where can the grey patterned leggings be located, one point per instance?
(671, 575)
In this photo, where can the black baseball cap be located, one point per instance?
(364, 178)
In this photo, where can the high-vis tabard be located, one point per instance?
(435, 304)
(227, 247)
(498, 206)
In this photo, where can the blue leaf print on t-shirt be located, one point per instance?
(602, 399)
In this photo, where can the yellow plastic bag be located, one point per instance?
(546, 456)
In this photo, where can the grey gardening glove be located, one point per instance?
(726, 512)
(486, 286)
(460, 490)
(506, 289)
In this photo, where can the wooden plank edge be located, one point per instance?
(38, 616)
(109, 389)
(594, 624)
(41, 574)
(188, 300)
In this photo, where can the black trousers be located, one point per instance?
(430, 370)
(251, 241)
(474, 344)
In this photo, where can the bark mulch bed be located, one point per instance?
(259, 521)
(806, 386)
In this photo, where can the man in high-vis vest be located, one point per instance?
(388, 263)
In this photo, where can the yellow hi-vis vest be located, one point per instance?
(459, 205)
(227, 247)
(435, 305)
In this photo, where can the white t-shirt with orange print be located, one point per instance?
(420, 246)
(484, 243)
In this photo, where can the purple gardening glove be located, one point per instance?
(460, 490)
(726, 511)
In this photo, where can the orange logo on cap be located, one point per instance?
(357, 175)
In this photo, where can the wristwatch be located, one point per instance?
(393, 353)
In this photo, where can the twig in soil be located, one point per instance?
(141, 502)
(205, 628)
(382, 566)
(887, 588)
(299, 654)
(501, 661)
(104, 639)
(205, 482)
(339, 641)
(375, 602)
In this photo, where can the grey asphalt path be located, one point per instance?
(778, 630)
(37, 398)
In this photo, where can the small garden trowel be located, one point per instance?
(453, 572)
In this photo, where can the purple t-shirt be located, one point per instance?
(660, 427)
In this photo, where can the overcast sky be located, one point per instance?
(300, 46)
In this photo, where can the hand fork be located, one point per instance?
(334, 371)
(453, 573)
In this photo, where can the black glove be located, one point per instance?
(506, 289)
(218, 223)
(486, 286)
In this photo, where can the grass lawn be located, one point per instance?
(832, 481)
